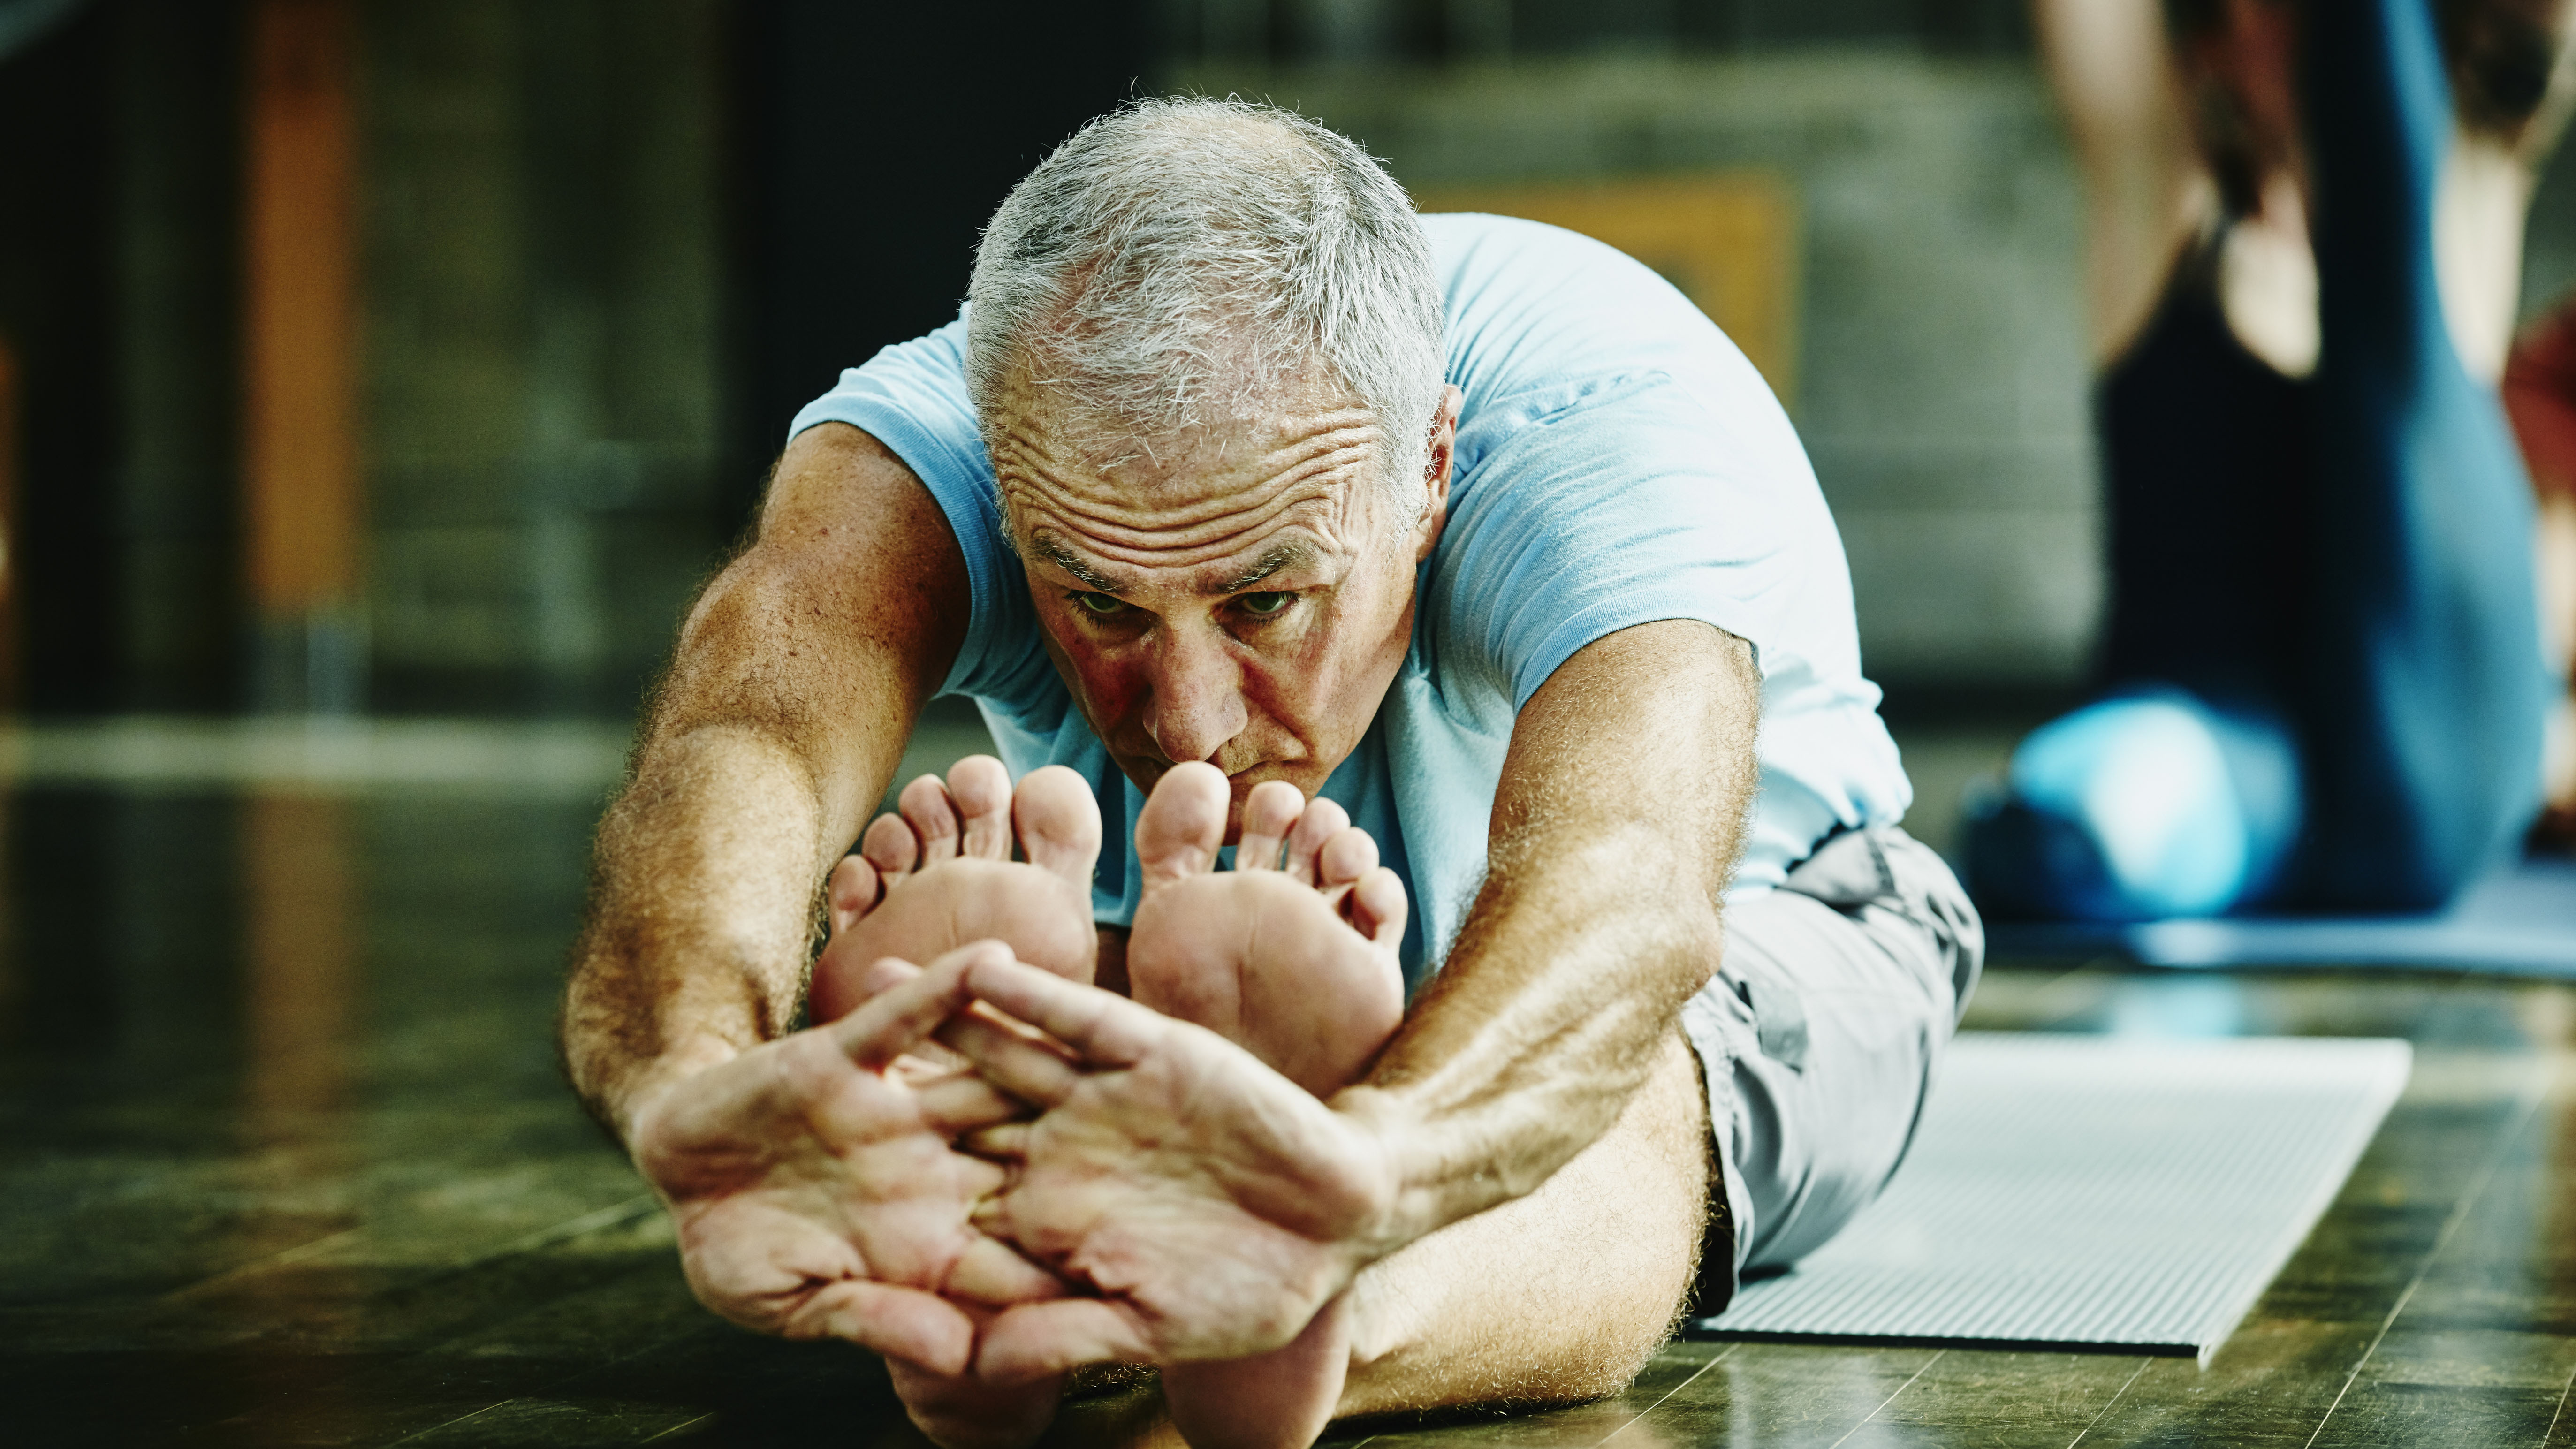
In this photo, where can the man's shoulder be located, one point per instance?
(1494, 269)
(1534, 309)
(1458, 237)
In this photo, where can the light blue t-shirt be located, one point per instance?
(1618, 462)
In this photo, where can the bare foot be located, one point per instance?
(1292, 954)
(941, 874)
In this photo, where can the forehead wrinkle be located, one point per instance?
(1285, 554)
(1019, 434)
(1053, 550)
(1322, 450)
(1315, 521)
(1146, 535)
(1030, 457)
(1223, 516)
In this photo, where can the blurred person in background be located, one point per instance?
(2540, 397)
(2325, 677)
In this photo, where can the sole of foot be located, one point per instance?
(941, 873)
(1293, 955)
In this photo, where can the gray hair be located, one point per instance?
(1181, 263)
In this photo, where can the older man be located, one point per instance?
(1444, 568)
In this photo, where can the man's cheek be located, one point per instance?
(1087, 669)
(1305, 664)
(1278, 699)
(1113, 690)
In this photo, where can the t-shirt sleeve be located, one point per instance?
(912, 398)
(1623, 501)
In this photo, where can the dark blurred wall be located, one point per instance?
(880, 138)
(1417, 31)
(176, 259)
(116, 271)
(544, 276)
(54, 302)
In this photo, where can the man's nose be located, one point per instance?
(1198, 696)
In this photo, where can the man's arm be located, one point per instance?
(1615, 831)
(795, 683)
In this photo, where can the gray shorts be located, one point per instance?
(1820, 1034)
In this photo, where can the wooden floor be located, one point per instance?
(284, 1160)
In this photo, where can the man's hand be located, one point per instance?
(816, 1190)
(1212, 1204)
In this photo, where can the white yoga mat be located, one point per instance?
(2073, 1191)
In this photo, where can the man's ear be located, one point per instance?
(1435, 473)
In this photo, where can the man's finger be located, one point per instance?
(976, 1178)
(958, 1103)
(981, 1023)
(1105, 1028)
(991, 1272)
(892, 1022)
(1006, 1143)
(1031, 1071)
(1034, 1340)
(926, 1063)
(904, 1323)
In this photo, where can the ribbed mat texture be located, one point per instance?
(2093, 1191)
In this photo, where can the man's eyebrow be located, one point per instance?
(1073, 563)
(1281, 556)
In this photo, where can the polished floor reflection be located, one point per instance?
(284, 1159)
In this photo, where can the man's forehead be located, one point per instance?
(1058, 425)
(1231, 572)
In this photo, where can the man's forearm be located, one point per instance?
(1488, 1091)
(1599, 918)
(796, 680)
(700, 923)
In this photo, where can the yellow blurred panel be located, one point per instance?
(299, 426)
(1727, 239)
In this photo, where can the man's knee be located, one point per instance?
(1869, 949)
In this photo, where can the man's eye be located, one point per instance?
(1265, 606)
(1101, 606)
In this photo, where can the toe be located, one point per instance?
(933, 818)
(852, 891)
(1270, 812)
(1183, 823)
(1376, 907)
(891, 847)
(1349, 855)
(980, 788)
(1322, 821)
(1058, 822)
